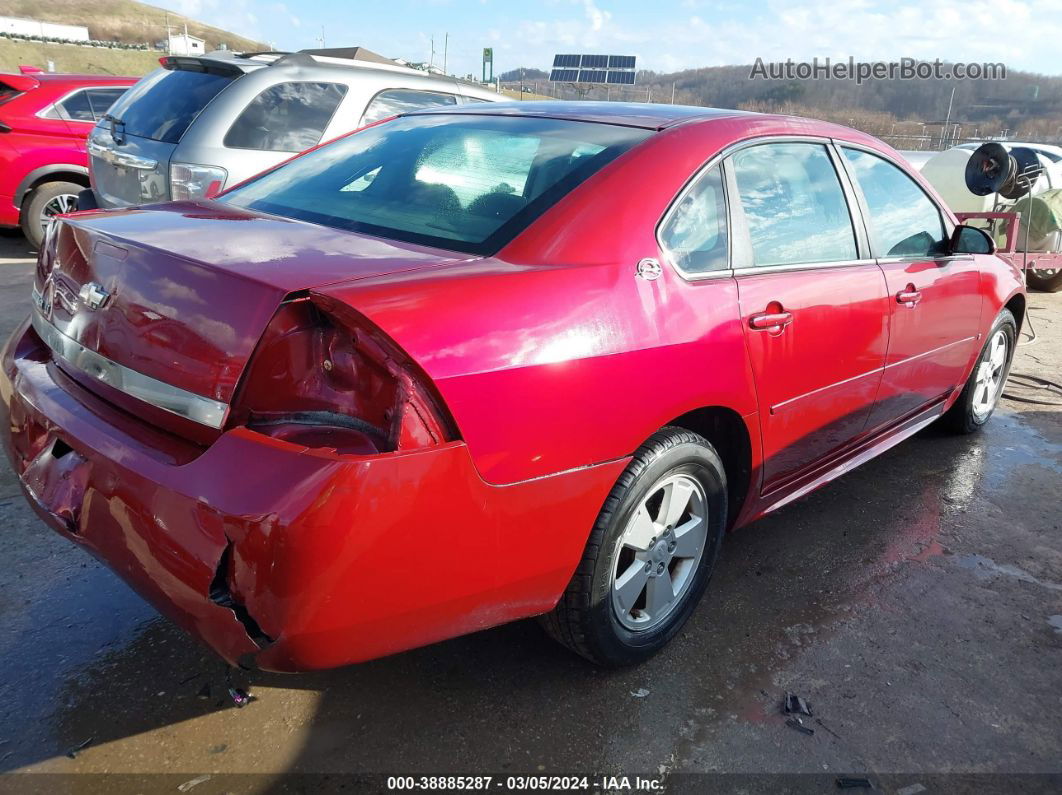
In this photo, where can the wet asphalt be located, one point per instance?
(916, 604)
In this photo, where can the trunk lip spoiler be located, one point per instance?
(159, 394)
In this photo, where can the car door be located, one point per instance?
(934, 298)
(813, 306)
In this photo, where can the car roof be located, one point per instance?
(627, 114)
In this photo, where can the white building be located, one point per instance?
(183, 44)
(52, 30)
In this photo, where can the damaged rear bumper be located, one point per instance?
(282, 557)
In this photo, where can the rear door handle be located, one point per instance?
(770, 321)
(909, 296)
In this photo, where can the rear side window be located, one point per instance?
(695, 233)
(794, 205)
(903, 221)
(462, 183)
(77, 107)
(394, 101)
(163, 104)
(287, 117)
(101, 100)
(89, 105)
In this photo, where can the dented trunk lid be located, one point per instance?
(181, 293)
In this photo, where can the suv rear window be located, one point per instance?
(461, 183)
(163, 104)
(287, 117)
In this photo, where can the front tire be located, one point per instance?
(979, 397)
(43, 203)
(650, 554)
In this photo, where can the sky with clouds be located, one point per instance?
(666, 35)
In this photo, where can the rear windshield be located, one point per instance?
(465, 183)
(163, 104)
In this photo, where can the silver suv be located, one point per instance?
(201, 123)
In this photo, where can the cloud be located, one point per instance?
(598, 18)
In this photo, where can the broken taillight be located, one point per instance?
(324, 377)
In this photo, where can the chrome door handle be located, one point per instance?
(909, 296)
(770, 321)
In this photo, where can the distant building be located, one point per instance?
(183, 44)
(49, 30)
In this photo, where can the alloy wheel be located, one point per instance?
(991, 374)
(57, 205)
(658, 552)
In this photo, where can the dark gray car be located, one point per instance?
(201, 123)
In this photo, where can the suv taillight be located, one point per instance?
(323, 377)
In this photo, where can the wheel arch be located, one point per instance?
(52, 173)
(1016, 304)
(730, 437)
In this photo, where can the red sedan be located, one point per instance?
(469, 366)
(44, 122)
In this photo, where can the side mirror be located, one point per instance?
(971, 240)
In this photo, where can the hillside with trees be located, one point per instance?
(124, 21)
(1023, 105)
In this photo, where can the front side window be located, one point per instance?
(903, 221)
(695, 233)
(395, 101)
(287, 117)
(794, 205)
(463, 183)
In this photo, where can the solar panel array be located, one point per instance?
(616, 70)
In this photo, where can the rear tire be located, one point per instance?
(1047, 281)
(47, 199)
(624, 602)
(980, 396)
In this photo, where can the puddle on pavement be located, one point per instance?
(986, 569)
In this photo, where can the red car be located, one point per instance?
(44, 122)
(469, 366)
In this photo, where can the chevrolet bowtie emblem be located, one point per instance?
(93, 295)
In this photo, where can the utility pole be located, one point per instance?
(672, 93)
(947, 121)
(169, 41)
